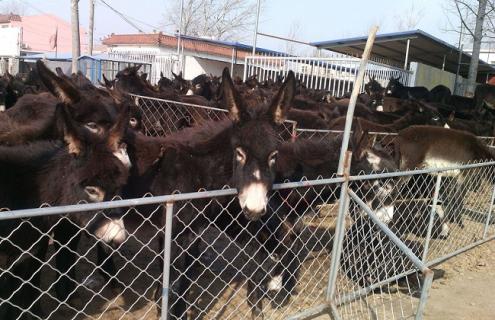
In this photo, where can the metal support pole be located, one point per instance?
(432, 216)
(166, 258)
(354, 95)
(389, 233)
(489, 216)
(244, 77)
(443, 63)
(232, 63)
(339, 231)
(406, 60)
(427, 281)
(255, 36)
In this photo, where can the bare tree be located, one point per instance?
(13, 6)
(216, 19)
(409, 19)
(476, 19)
(294, 31)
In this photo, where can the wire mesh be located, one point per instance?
(236, 268)
(162, 117)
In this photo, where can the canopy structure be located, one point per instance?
(414, 45)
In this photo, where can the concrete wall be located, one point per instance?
(195, 66)
(429, 77)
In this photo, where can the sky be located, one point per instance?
(318, 20)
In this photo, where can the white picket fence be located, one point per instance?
(335, 74)
(160, 63)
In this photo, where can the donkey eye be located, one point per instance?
(272, 158)
(240, 156)
(95, 194)
(92, 126)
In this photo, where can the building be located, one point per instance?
(199, 55)
(25, 35)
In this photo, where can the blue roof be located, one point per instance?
(50, 56)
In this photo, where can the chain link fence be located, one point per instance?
(162, 117)
(332, 245)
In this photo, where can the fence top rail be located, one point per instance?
(340, 131)
(178, 103)
(371, 132)
(88, 207)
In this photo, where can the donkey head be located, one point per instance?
(394, 84)
(179, 83)
(90, 112)
(91, 170)
(376, 92)
(255, 143)
(379, 194)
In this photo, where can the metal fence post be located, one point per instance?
(489, 216)
(427, 281)
(339, 231)
(166, 258)
(432, 216)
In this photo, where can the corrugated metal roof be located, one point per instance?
(423, 48)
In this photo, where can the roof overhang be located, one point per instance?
(423, 48)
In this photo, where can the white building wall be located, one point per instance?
(193, 65)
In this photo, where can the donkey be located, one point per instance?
(440, 94)
(242, 150)
(432, 147)
(396, 89)
(484, 96)
(376, 93)
(33, 116)
(89, 168)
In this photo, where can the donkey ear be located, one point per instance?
(231, 98)
(117, 131)
(108, 83)
(116, 95)
(69, 130)
(144, 76)
(283, 100)
(161, 74)
(59, 87)
(59, 72)
(359, 140)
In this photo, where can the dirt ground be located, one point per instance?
(467, 290)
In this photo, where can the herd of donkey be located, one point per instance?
(64, 140)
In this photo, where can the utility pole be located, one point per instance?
(255, 35)
(91, 26)
(76, 42)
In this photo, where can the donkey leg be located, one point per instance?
(255, 300)
(66, 238)
(107, 267)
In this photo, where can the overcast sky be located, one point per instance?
(318, 20)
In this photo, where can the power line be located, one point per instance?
(122, 16)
